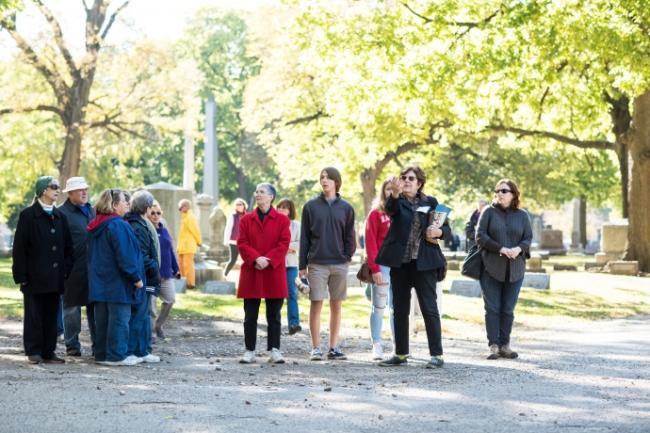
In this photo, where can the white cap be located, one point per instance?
(75, 183)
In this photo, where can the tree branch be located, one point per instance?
(307, 119)
(58, 37)
(49, 108)
(467, 25)
(111, 20)
(585, 144)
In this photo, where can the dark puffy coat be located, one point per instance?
(42, 252)
(147, 247)
(114, 262)
(76, 285)
(392, 249)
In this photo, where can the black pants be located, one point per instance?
(234, 254)
(402, 279)
(273, 320)
(39, 325)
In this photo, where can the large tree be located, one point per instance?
(70, 80)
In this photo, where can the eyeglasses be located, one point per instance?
(409, 178)
(53, 187)
(156, 213)
(502, 191)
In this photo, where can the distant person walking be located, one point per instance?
(115, 278)
(504, 235)
(189, 239)
(79, 213)
(470, 226)
(263, 240)
(42, 260)
(327, 244)
(231, 232)
(288, 208)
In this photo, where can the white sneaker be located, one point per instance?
(108, 363)
(377, 352)
(276, 357)
(149, 358)
(248, 357)
(316, 354)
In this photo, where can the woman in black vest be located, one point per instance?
(42, 259)
(412, 252)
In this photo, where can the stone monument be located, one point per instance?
(613, 242)
(168, 196)
(552, 241)
(217, 250)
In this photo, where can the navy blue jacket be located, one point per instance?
(114, 262)
(401, 215)
(168, 263)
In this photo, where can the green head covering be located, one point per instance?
(42, 184)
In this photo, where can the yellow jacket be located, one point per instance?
(189, 235)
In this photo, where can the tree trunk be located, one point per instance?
(639, 203)
(242, 181)
(621, 122)
(368, 180)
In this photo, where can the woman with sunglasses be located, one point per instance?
(504, 236)
(415, 259)
(231, 233)
(42, 260)
(168, 269)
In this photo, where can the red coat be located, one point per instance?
(377, 227)
(270, 239)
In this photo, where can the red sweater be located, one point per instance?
(377, 226)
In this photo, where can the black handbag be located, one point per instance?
(473, 263)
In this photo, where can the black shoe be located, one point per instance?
(435, 362)
(394, 361)
(34, 359)
(506, 352)
(73, 352)
(53, 360)
(294, 329)
(336, 354)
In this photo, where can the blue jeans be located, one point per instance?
(140, 328)
(72, 328)
(381, 296)
(59, 317)
(499, 299)
(111, 331)
(293, 314)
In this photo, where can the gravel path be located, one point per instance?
(575, 377)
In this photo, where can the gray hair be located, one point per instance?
(141, 201)
(270, 188)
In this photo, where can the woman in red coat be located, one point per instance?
(263, 241)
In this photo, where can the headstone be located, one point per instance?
(168, 196)
(206, 270)
(621, 267)
(537, 280)
(180, 284)
(465, 287)
(564, 267)
(6, 240)
(553, 242)
(614, 238)
(537, 225)
(204, 202)
(217, 250)
(453, 265)
(534, 263)
(220, 288)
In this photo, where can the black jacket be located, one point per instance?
(76, 285)
(508, 228)
(401, 214)
(147, 247)
(327, 234)
(42, 252)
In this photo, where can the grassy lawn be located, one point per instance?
(574, 295)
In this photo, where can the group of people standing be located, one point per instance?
(115, 259)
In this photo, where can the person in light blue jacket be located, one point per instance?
(116, 278)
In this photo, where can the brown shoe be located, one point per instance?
(494, 352)
(54, 360)
(507, 352)
(34, 359)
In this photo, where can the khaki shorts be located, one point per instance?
(327, 280)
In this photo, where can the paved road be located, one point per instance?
(576, 377)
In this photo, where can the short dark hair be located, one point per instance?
(514, 204)
(335, 175)
(419, 174)
(285, 203)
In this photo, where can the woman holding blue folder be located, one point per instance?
(415, 259)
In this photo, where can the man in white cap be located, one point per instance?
(79, 213)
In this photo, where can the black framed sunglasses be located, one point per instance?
(153, 212)
(53, 186)
(502, 191)
(410, 178)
